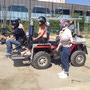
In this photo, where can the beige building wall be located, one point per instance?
(34, 3)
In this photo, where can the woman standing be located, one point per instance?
(65, 43)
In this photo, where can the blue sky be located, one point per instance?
(81, 2)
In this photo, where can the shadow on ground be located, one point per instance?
(24, 63)
(21, 63)
(56, 61)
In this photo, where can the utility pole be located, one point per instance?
(72, 10)
(30, 10)
(4, 14)
(62, 11)
(0, 13)
(52, 9)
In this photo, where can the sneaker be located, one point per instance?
(63, 75)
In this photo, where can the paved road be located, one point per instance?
(16, 76)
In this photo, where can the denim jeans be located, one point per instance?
(65, 53)
(9, 44)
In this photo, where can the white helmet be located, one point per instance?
(64, 23)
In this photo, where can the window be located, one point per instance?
(41, 10)
(62, 11)
(88, 13)
(58, 11)
(79, 12)
(17, 8)
(2, 8)
(66, 11)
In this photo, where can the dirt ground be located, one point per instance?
(17, 76)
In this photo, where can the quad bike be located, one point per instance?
(42, 53)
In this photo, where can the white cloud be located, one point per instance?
(58, 1)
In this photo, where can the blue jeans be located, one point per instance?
(9, 44)
(65, 53)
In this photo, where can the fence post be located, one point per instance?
(30, 10)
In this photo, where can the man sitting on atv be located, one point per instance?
(42, 33)
(17, 38)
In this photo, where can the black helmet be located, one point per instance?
(19, 20)
(42, 20)
(15, 23)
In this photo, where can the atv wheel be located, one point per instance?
(78, 58)
(41, 60)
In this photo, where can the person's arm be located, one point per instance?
(58, 46)
(40, 35)
(59, 42)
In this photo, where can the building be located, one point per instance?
(26, 9)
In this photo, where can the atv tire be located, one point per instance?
(41, 60)
(78, 58)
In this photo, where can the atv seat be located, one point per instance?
(53, 43)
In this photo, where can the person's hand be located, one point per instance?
(8, 38)
(74, 42)
(12, 37)
(57, 49)
(34, 39)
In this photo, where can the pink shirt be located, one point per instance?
(66, 37)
